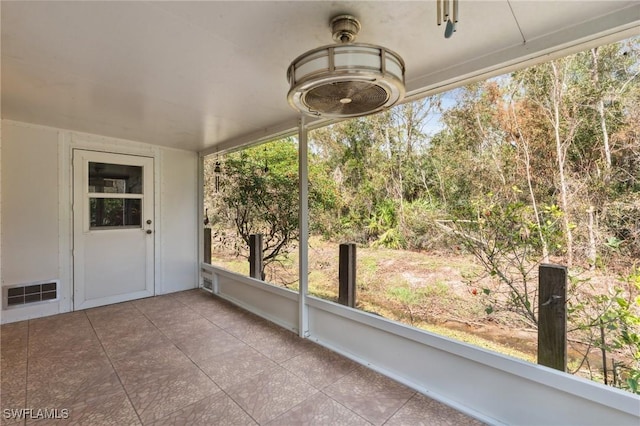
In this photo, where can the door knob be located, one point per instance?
(149, 231)
(148, 221)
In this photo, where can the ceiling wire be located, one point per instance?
(524, 40)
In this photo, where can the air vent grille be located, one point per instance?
(24, 294)
(207, 279)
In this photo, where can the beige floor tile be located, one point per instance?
(65, 346)
(13, 370)
(13, 375)
(281, 346)
(71, 334)
(206, 344)
(319, 366)
(164, 393)
(113, 409)
(125, 341)
(319, 410)
(177, 332)
(13, 397)
(101, 403)
(13, 334)
(251, 328)
(371, 395)
(172, 315)
(218, 409)
(269, 394)
(165, 360)
(236, 366)
(11, 421)
(52, 382)
(149, 364)
(157, 305)
(193, 298)
(114, 316)
(56, 323)
(225, 316)
(423, 411)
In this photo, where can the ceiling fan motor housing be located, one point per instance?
(348, 79)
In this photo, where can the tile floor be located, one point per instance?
(190, 358)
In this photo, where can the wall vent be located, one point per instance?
(24, 294)
(207, 279)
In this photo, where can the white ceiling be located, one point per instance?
(209, 75)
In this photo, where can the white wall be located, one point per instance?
(29, 236)
(178, 216)
(35, 233)
(276, 304)
(30, 204)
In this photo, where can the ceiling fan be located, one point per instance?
(346, 79)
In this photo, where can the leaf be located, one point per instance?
(613, 242)
(489, 310)
(622, 302)
(486, 291)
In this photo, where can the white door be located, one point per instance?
(113, 240)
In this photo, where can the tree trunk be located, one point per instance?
(527, 163)
(543, 240)
(600, 109)
(561, 150)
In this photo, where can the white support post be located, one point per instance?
(200, 219)
(303, 212)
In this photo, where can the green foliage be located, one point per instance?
(623, 324)
(504, 240)
(391, 238)
(259, 194)
(406, 295)
(611, 321)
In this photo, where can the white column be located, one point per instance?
(200, 218)
(303, 212)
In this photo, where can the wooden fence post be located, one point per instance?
(207, 245)
(552, 316)
(347, 275)
(255, 256)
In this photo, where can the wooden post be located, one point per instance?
(552, 316)
(207, 245)
(347, 275)
(255, 256)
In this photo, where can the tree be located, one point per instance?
(258, 194)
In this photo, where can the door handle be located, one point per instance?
(149, 231)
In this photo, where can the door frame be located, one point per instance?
(67, 142)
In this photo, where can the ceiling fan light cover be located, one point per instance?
(346, 80)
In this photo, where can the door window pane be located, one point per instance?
(115, 212)
(115, 178)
